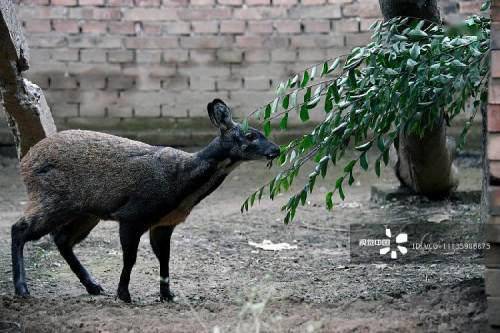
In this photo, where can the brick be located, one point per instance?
(208, 42)
(47, 12)
(365, 8)
(359, 39)
(316, 26)
(176, 28)
(321, 41)
(283, 55)
(149, 14)
(230, 2)
(120, 56)
(177, 83)
(175, 56)
(287, 26)
(492, 287)
(257, 56)
(202, 2)
(147, 111)
(204, 13)
(259, 69)
(46, 41)
(150, 29)
(91, 2)
(64, 110)
(120, 82)
(93, 55)
(316, 12)
(37, 25)
(312, 2)
(494, 200)
(229, 83)
(346, 25)
(494, 117)
(40, 56)
(250, 41)
(42, 80)
(151, 42)
(65, 54)
(212, 70)
(492, 256)
(35, 2)
(493, 311)
(122, 27)
(494, 167)
(94, 103)
(259, 13)
(493, 149)
(365, 24)
(202, 56)
(312, 55)
(232, 26)
(205, 27)
(202, 83)
(260, 27)
(94, 41)
(257, 83)
(175, 3)
(64, 2)
(229, 56)
(494, 91)
(62, 82)
(66, 26)
(95, 27)
(148, 57)
(94, 13)
(120, 111)
(147, 3)
(92, 81)
(285, 2)
(258, 2)
(495, 64)
(120, 3)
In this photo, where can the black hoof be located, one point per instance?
(93, 288)
(22, 290)
(167, 296)
(124, 295)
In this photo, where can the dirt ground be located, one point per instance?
(225, 285)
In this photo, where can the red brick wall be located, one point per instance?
(131, 64)
(492, 274)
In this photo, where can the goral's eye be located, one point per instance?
(250, 136)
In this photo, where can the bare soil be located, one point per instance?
(225, 285)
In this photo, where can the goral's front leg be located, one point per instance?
(160, 242)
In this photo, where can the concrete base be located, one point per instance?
(389, 192)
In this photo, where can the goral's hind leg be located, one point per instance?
(31, 227)
(130, 237)
(66, 237)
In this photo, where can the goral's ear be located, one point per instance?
(220, 115)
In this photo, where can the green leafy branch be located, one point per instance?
(409, 77)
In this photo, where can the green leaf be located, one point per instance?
(363, 161)
(305, 79)
(364, 147)
(377, 167)
(284, 122)
(285, 102)
(304, 113)
(267, 128)
(341, 193)
(349, 166)
(244, 125)
(415, 51)
(328, 199)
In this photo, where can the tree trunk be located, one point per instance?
(424, 165)
(28, 114)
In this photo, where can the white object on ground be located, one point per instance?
(267, 245)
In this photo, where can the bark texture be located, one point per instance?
(424, 164)
(28, 114)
